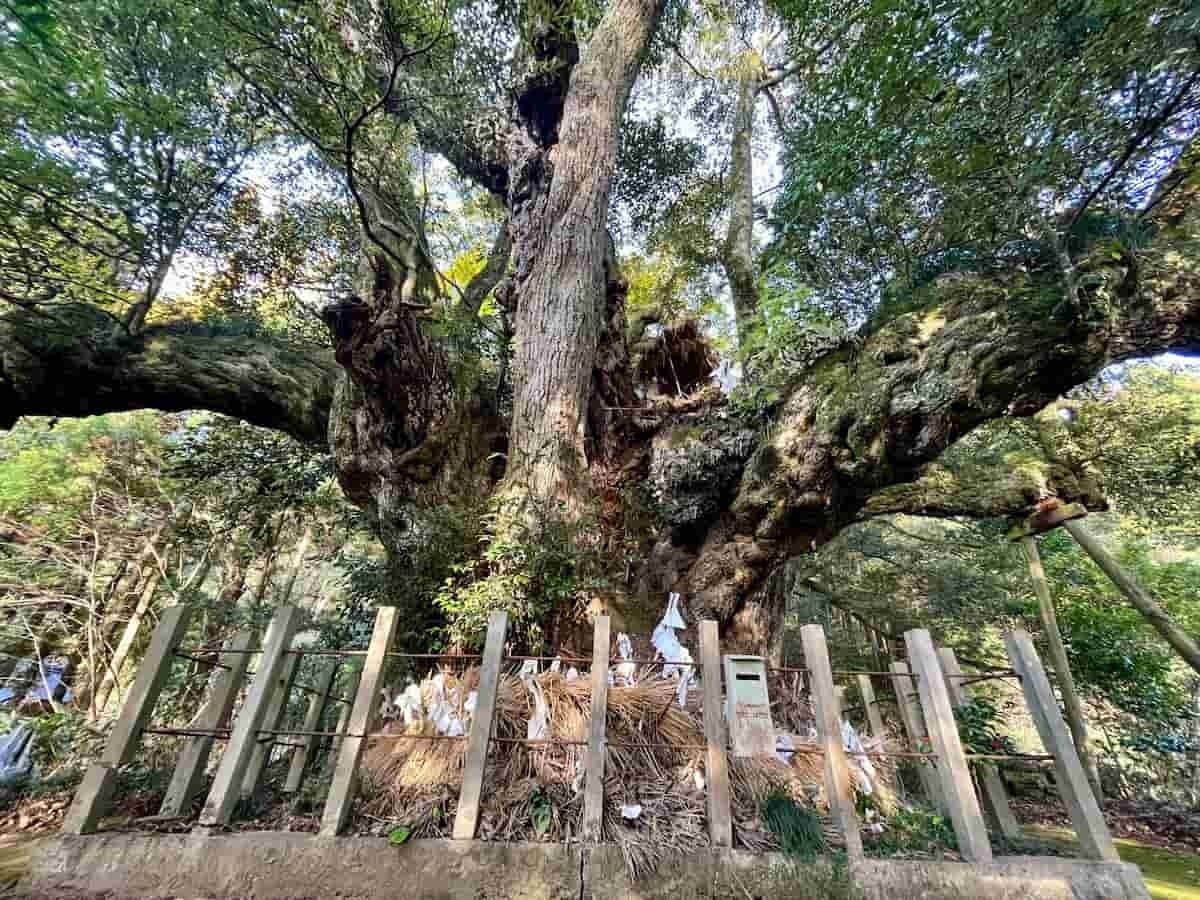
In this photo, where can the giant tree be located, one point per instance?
(529, 102)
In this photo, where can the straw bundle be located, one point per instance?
(535, 792)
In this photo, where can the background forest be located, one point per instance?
(197, 200)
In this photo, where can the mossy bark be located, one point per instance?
(63, 361)
(859, 430)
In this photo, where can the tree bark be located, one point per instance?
(737, 254)
(60, 361)
(560, 180)
(856, 434)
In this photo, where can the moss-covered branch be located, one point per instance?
(62, 361)
(862, 424)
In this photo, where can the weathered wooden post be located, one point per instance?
(223, 796)
(829, 729)
(94, 793)
(716, 765)
(343, 722)
(874, 719)
(189, 770)
(1077, 795)
(593, 795)
(957, 787)
(1027, 533)
(994, 794)
(466, 820)
(276, 707)
(914, 727)
(366, 701)
(317, 704)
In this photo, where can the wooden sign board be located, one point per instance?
(748, 707)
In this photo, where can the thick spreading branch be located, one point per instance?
(871, 416)
(62, 361)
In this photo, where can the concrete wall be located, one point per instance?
(275, 866)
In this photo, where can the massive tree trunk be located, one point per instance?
(737, 254)
(401, 430)
(561, 173)
(858, 435)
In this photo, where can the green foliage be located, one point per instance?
(48, 464)
(789, 335)
(529, 568)
(398, 836)
(278, 243)
(914, 830)
(941, 136)
(979, 727)
(257, 473)
(120, 140)
(653, 168)
(1114, 655)
(541, 812)
(798, 828)
(427, 554)
(63, 739)
(1141, 428)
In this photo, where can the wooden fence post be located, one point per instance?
(716, 766)
(223, 796)
(94, 793)
(351, 689)
(317, 704)
(1062, 666)
(914, 727)
(1094, 838)
(189, 770)
(869, 704)
(957, 787)
(466, 820)
(362, 716)
(593, 796)
(874, 717)
(829, 728)
(995, 797)
(276, 707)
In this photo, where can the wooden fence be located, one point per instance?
(927, 688)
